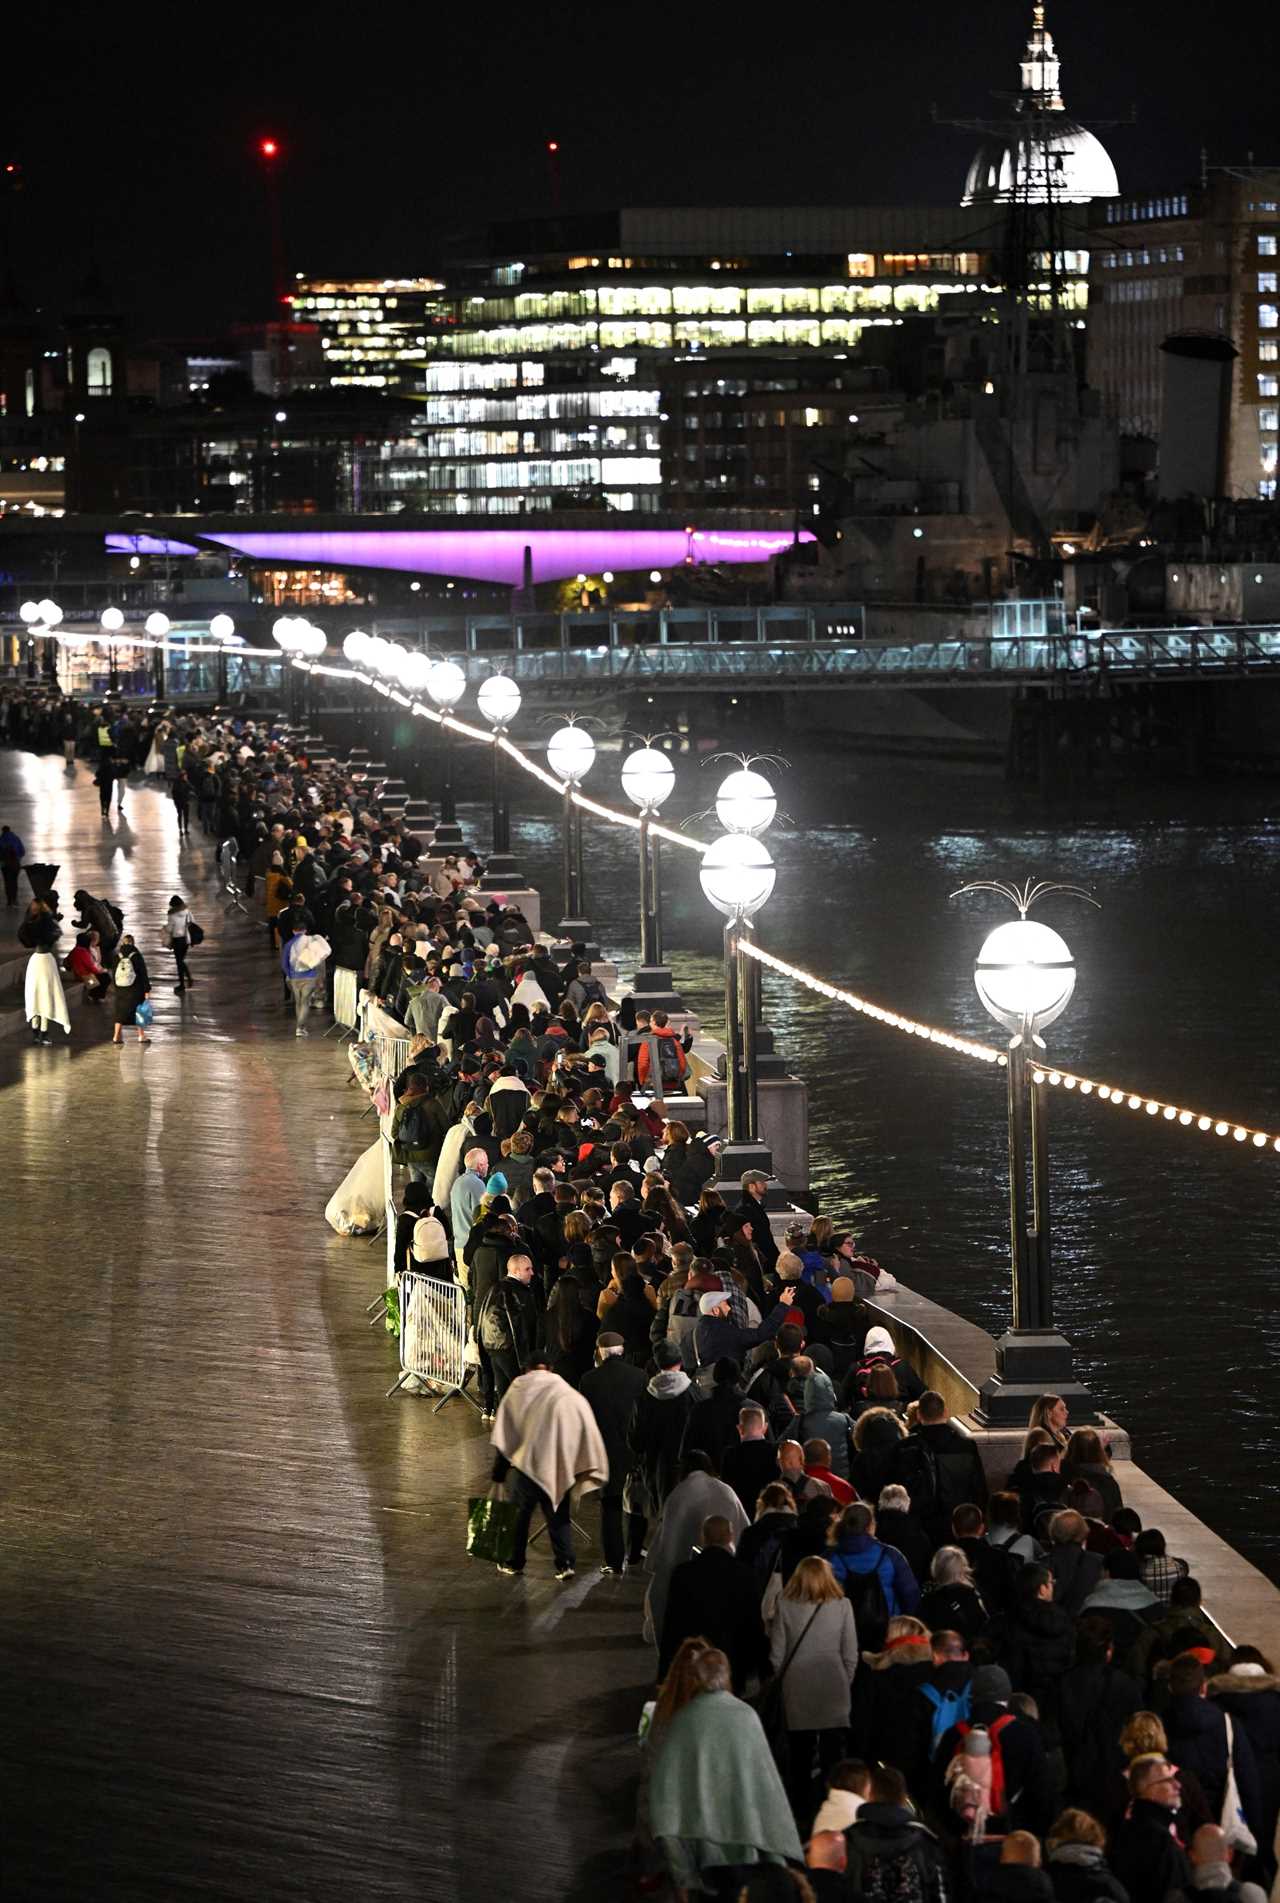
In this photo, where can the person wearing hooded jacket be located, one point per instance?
(939, 1465)
(657, 1426)
(821, 1419)
(878, 1350)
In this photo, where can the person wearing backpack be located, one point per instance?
(878, 1351)
(508, 1329)
(1019, 1767)
(876, 1578)
(661, 1043)
(890, 1853)
(939, 1465)
(891, 1722)
(130, 986)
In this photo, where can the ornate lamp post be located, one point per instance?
(446, 684)
(737, 876)
(647, 779)
(571, 754)
(1025, 976)
(498, 699)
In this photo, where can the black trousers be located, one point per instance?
(180, 959)
(10, 876)
(611, 1519)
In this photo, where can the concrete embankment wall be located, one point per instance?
(955, 1357)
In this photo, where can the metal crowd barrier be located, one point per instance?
(346, 999)
(433, 1336)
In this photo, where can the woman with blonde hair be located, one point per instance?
(813, 1647)
(1086, 1458)
(892, 1721)
(1077, 1861)
(1051, 1413)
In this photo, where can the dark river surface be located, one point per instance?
(1164, 1238)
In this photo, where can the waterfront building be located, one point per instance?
(1189, 266)
(375, 333)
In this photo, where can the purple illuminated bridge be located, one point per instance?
(494, 555)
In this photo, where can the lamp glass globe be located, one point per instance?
(737, 874)
(498, 699)
(222, 627)
(50, 612)
(29, 612)
(1025, 974)
(112, 620)
(355, 645)
(283, 631)
(745, 802)
(647, 778)
(157, 624)
(446, 683)
(570, 753)
(417, 670)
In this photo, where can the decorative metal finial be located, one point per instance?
(1023, 897)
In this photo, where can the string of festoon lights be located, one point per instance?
(1087, 1088)
(1113, 1095)
(896, 1021)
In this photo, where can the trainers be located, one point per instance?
(566, 1572)
(612, 1572)
(512, 1572)
(302, 1031)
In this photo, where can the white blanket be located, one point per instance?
(43, 994)
(547, 1431)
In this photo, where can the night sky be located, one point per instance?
(135, 127)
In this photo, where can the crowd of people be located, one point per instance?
(876, 1675)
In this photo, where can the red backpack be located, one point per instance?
(998, 1792)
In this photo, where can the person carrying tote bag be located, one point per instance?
(814, 1642)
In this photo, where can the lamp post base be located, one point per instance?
(653, 990)
(578, 931)
(1029, 1363)
(500, 873)
(735, 1159)
(448, 834)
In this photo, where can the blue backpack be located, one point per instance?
(949, 1709)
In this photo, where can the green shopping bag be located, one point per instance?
(491, 1528)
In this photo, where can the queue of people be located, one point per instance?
(874, 1673)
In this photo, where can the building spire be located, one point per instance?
(1040, 67)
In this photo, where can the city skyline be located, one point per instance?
(378, 174)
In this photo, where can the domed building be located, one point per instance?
(1043, 157)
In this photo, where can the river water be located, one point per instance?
(1165, 1248)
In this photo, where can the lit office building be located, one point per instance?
(590, 362)
(1183, 269)
(375, 333)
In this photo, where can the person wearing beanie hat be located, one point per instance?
(496, 1185)
(1022, 1772)
(612, 1390)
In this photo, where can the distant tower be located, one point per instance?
(1032, 168)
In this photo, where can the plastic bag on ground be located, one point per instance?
(356, 1206)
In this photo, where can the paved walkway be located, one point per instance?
(244, 1655)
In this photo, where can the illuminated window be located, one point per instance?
(1268, 317)
(1269, 385)
(1267, 281)
(1269, 419)
(862, 264)
(98, 372)
(1269, 350)
(1266, 247)
(1269, 457)
(1267, 489)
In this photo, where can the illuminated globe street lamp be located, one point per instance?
(1025, 976)
(446, 684)
(571, 754)
(737, 875)
(647, 779)
(498, 699)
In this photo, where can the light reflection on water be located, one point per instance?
(1164, 1240)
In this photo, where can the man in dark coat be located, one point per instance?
(714, 1596)
(713, 1424)
(611, 1389)
(718, 1337)
(1196, 1727)
(750, 1463)
(755, 1190)
(1146, 1857)
(1094, 1702)
(940, 1467)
